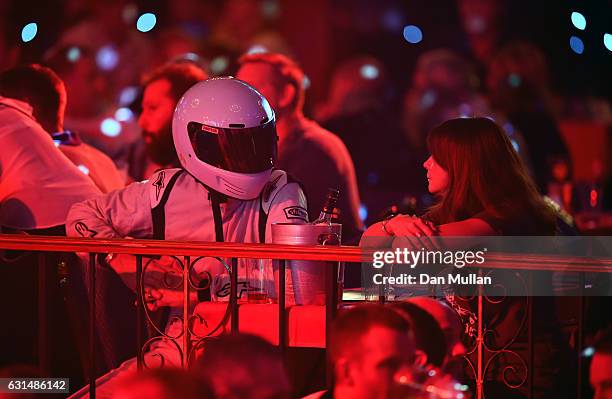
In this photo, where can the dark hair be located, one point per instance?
(428, 335)
(238, 348)
(485, 174)
(40, 87)
(180, 74)
(288, 73)
(229, 358)
(351, 325)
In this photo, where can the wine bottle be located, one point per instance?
(325, 217)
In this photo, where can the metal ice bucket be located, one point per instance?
(305, 279)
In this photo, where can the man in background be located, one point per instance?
(45, 92)
(311, 154)
(163, 87)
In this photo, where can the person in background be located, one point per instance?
(450, 324)
(38, 183)
(601, 365)
(360, 109)
(481, 185)
(163, 87)
(312, 155)
(40, 87)
(519, 88)
(371, 346)
(243, 366)
(431, 342)
(227, 190)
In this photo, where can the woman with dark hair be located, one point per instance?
(481, 185)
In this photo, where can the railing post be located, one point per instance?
(43, 359)
(331, 307)
(139, 311)
(282, 312)
(480, 345)
(234, 295)
(92, 325)
(186, 335)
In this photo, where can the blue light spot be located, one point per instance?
(83, 169)
(128, 95)
(576, 45)
(515, 145)
(363, 212)
(306, 82)
(508, 128)
(107, 58)
(193, 57)
(514, 80)
(608, 41)
(588, 351)
(124, 114)
(110, 127)
(146, 22)
(369, 71)
(578, 20)
(413, 34)
(57, 142)
(73, 54)
(29, 32)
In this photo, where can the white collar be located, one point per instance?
(18, 104)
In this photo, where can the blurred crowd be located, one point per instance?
(379, 95)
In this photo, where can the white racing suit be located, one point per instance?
(173, 205)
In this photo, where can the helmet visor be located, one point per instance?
(240, 150)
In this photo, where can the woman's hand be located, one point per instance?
(406, 225)
(412, 232)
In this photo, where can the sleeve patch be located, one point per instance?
(296, 212)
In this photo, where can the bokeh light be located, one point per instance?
(576, 45)
(363, 212)
(608, 41)
(110, 127)
(413, 34)
(128, 95)
(146, 22)
(578, 20)
(219, 64)
(124, 114)
(369, 71)
(73, 54)
(514, 80)
(107, 58)
(257, 49)
(29, 32)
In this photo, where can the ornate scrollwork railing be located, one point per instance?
(482, 355)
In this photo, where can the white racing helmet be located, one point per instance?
(225, 136)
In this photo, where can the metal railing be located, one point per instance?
(191, 252)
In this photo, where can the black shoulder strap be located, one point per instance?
(262, 222)
(215, 199)
(159, 212)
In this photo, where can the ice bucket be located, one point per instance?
(305, 279)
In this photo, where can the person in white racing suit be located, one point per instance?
(227, 190)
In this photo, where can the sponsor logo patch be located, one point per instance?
(296, 212)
